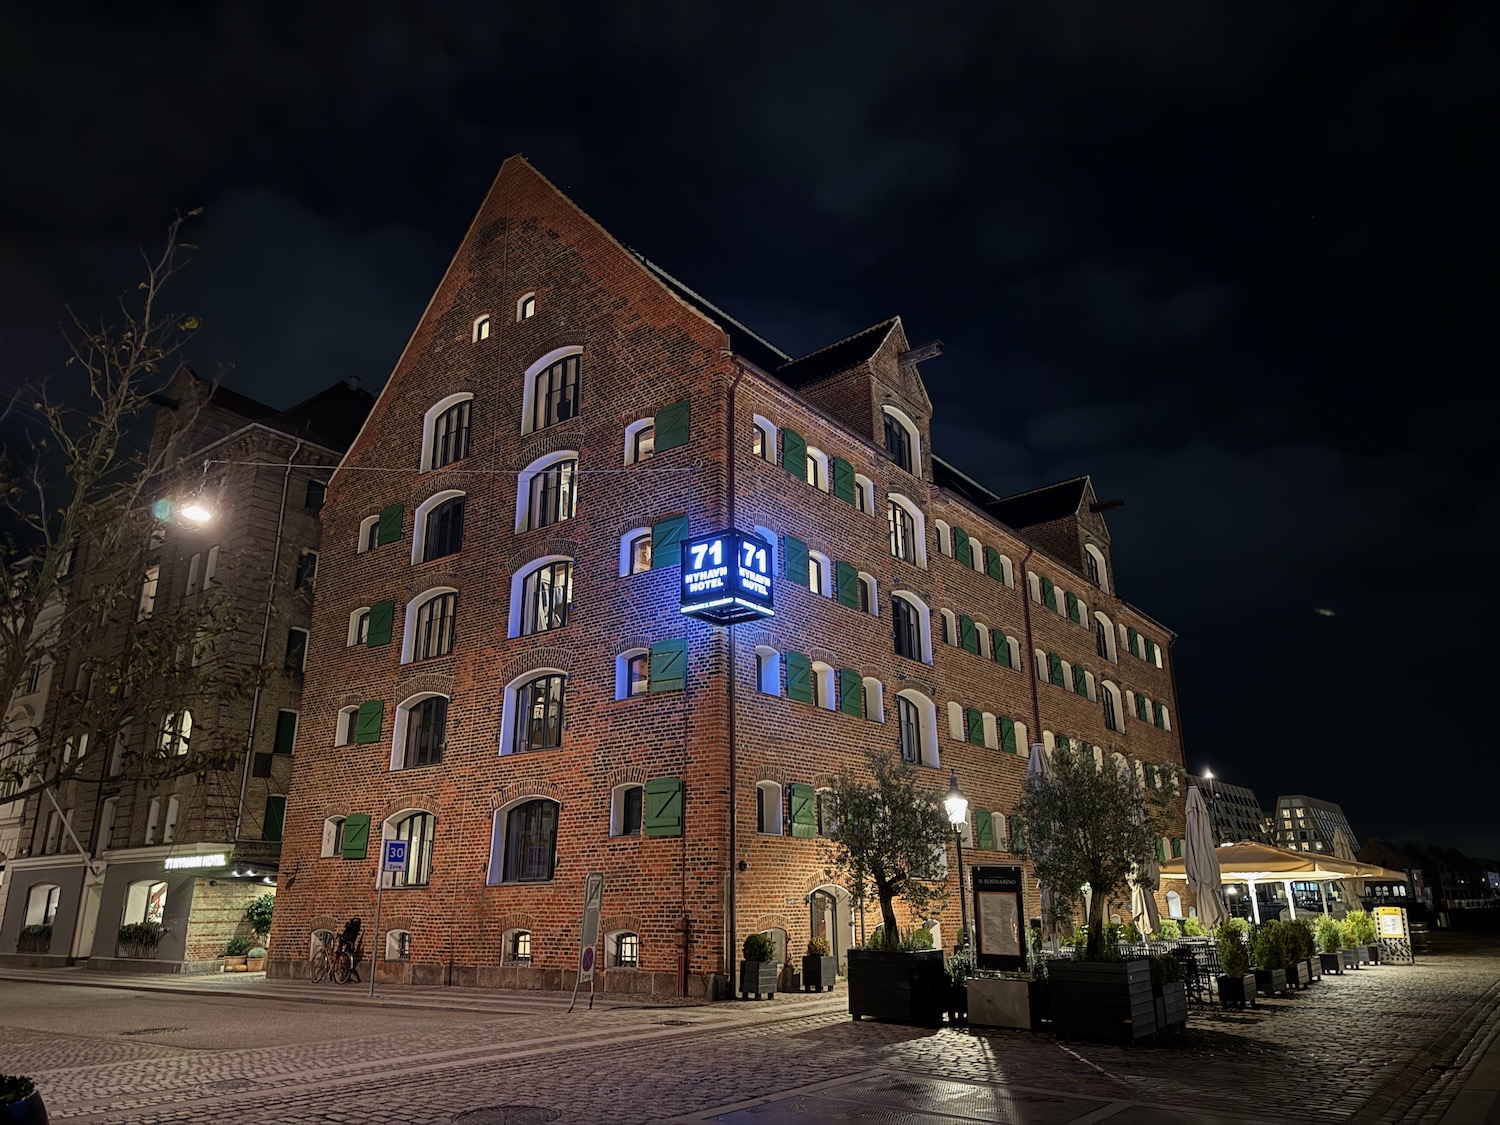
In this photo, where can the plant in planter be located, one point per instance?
(1366, 939)
(1304, 948)
(960, 969)
(1236, 983)
(1169, 991)
(758, 969)
(34, 939)
(1350, 955)
(819, 969)
(891, 829)
(1330, 941)
(1268, 952)
(139, 939)
(1191, 927)
(255, 959)
(1169, 930)
(258, 917)
(20, 1102)
(235, 954)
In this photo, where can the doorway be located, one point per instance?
(832, 918)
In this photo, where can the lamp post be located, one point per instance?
(1213, 806)
(957, 806)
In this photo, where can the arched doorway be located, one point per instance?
(832, 918)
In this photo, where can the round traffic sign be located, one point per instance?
(588, 959)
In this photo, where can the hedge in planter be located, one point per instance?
(34, 939)
(1236, 984)
(1268, 951)
(1330, 941)
(1169, 991)
(139, 939)
(819, 969)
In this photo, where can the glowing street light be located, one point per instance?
(195, 511)
(957, 807)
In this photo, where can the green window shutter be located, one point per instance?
(367, 723)
(794, 555)
(270, 828)
(1151, 651)
(798, 677)
(1054, 670)
(1150, 773)
(286, 732)
(963, 551)
(1018, 835)
(1176, 847)
(843, 480)
(356, 835)
(1158, 717)
(1080, 681)
(1075, 614)
(804, 810)
(851, 692)
(984, 831)
(390, 525)
(1142, 709)
(669, 665)
(1133, 641)
(382, 617)
(1161, 849)
(992, 565)
(975, 722)
(662, 812)
(1008, 734)
(666, 541)
(968, 635)
(794, 453)
(1000, 647)
(1049, 594)
(672, 426)
(848, 583)
(1064, 742)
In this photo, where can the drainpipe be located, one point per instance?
(265, 633)
(734, 781)
(1036, 703)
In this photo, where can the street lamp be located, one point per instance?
(196, 511)
(958, 812)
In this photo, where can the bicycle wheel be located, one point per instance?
(343, 968)
(317, 969)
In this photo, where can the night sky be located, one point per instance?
(1236, 261)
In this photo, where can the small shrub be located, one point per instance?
(1362, 926)
(917, 939)
(1234, 958)
(1304, 943)
(1191, 927)
(1165, 969)
(140, 934)
(15, 1088)
(1269, 948)
(960, 965)
(1330, 934)
(258, 915)
(817, 946)
(1130, 933)
(760, 947)
(1170, 930)
(256, 951)
(238, 946)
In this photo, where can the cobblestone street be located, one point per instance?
(1391, 1043)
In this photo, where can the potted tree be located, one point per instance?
(1093, 826)
(1366, 940)
(1169, 930)
(1268, 952)
(1236, 983)
(890, 834)
(1191, 927)
(819, 969)
(258, 917)
(1330, 941)
(1349, 952)
(235, 954)
(960, 969)
(1304, 944)
(20, 1102)
(758, 969)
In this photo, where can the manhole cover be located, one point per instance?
(153, 1030)
(508, 1115)
(229, 1085)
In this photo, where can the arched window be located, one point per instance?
(541, 595)
(819, 573)
(439, 527)
(622, 950)
(1114, 711)
(763, 439)
(359, 626)
(821, 682)
(481, 329)
(429, 624)
(944, 537)
(525, 307)
(551, 393)
(416, 828)
(369, 534)
(1163, 718)
(768, 808)
(874, 699)
(176, 733)
(108, 812)
(421, 731)
(1007, 572)
(547, 493)
(1104, 637)
(445, 431)
(869, 599)
(983, 632)
(991, 732)
(817, 469)
(828, 819)
(911, 623)
(398, 945)
(625, 805)
(348, 720)
(41, 904)
(901, 441)
(524, 844)
(767, 670)
(169, 826)
(864, 494)
(640, 441)
(770, 538)
(957, 725)
(632, 673)
(778, 944)
(1098, 569)
(145, 901)
(534, 708)
(908, 530)
(635, 551)
(916, 733)
(333, 838)
(515, 947)
(1174, 905)
(949, 624)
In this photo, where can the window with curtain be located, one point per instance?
(546, 594)
(539, 713)
(903, 533)
(906, 624)
(554, 495)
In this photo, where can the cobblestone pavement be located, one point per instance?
(1391, 1043)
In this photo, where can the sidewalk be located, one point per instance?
(1478, 1099)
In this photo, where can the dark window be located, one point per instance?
(530, 842)
(815, 574)
(864, 595)
(897, 442)
(426, 725)
(638, 674)
(815, 688)
(296, 649)
(317, 492)
(539, 713)
(643, 444)
(260, 765)
(445, 529)
(640, 553)
(907, 624)
(1111, 717)
(1101, 638)
(903, 533)
(861, 501)
(416, 830)
(433, 632)
(766, 809)
(362, 628)
(1093, 565)
(630, 811)
(307, 570)
(450, 435)
(556, 394)
(372, 535)
(947, 629)
(761, 444)
(554, 495)
(909, 729)
(546, 594)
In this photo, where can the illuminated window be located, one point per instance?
(555, 393)
(176, 733)
(41, 904)
(447, 433)
(481, 329)
(416, 828)
(539, 714)
(638, 673)
(624, 951)
(903, 533)
(635, 554)
(145, 901)
(553, 494)
(763, 439)
(767, 670)
(526, 307)
(546, 594)
(640, 442)
(147, 603)
(518, 947)
(900, 439)
(768, 808)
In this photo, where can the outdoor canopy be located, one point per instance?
(1249, 862)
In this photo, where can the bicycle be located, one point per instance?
(346, 962)
(320, 964)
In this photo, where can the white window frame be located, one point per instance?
(495, 872)
(927, 721)
(365, 524)
(773, 437)
(508, 704)
(528, 386)
(402, 720)
(865, 487)
(333, 838)
(419, 520)
(919, 525)
(528, 474)
(194, 565)
(872, 586)
(622, 672)
(429, 423)
(950, 626)
(153, 820)
(351, 638)
(147, 604)
(924, 621)
(630, 433)
(1112, 652)
(169, 825)
(518, 583)
(956, 721)
(874, 697)
(768, 670)
(526, 306)
(772, 790)
(944, 537)
(821, 460)
(827, 693)
(348, 719)
(479, 331)
(912, 433)
(625, 541)
(1098, 557)
(825, 573)
(617, 811)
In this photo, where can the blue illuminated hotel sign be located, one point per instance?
(726, 577)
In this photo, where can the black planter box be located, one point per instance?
(819, 973)
(1040, 995)
(1331, 963)
(908, 987)
(1298, 975)
(958, 1004)
(1103, 1000)
(1237, 991)
(1373, 953)
(1268, 982)
(28, 1111)
(1350, 958)
(757, 978)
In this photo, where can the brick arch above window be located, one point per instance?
(626, 775)
(427, 683)
(544, 657)
(514, 792)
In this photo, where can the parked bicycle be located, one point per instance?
(338, 958)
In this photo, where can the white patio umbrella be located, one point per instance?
(1143, 884)
(1201, 862)
(1038, 765)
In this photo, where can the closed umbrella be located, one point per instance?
(1143, 884)
(1201, 862)
(1039, 766)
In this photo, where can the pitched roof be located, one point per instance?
(758, 350)
(835, 357)
(945, 476)
(332, 417)
(1040, 505)
(243, 405)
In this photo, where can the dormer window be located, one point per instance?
(900, 442)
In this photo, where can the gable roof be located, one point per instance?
(758, 350)
(332, 417)
(1040, 505)
(836, 357)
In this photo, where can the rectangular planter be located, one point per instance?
(757, 978)
(1268, 982)
(1108, 1000)
(1314, 969)
(819, 973)
(1350, 958)
(1373, 953)
(1331, 963)
(1172, 1006)
(1237, 992)
(1298, 975)
(1001, 1003)
(908, 987)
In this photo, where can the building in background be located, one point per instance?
(103, 849)
(1307, 824)
(1236, 811)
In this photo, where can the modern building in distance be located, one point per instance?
(1307, 824)
(1236, 811)
(191, 852)
(501, 675)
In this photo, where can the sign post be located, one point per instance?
(593, 903)
(1394, 935)
(392, 858)
(999, 918)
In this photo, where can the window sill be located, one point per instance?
(517, 883)
(416, 767)
(440, 558)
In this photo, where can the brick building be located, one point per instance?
(499, 672)
(108, 846)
